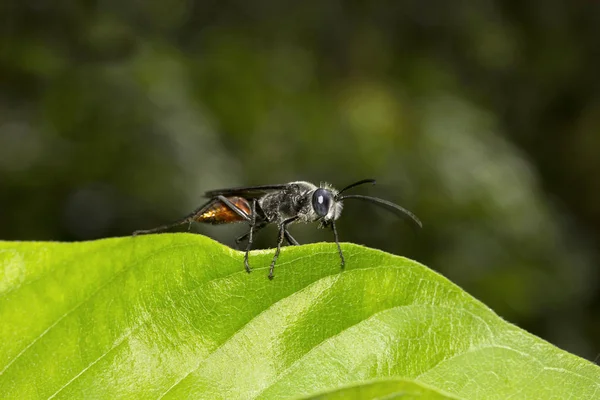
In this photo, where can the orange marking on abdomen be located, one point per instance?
(219, 213)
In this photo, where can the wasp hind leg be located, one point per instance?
(186, 220)
(190, 218)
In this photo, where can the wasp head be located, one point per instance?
(325, 204)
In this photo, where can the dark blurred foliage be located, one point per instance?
(481, 117)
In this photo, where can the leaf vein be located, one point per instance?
(85, 300)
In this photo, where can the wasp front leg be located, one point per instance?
(337, 242)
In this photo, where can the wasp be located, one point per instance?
(282, 204)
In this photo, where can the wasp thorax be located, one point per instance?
(321, 201)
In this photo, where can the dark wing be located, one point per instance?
(249, 192)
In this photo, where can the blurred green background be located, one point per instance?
(481, 117)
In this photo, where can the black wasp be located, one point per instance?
(282, 205)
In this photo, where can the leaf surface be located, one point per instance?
(176, 316)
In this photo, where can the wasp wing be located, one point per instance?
(248, 192)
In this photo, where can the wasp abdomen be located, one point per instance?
(217, 212)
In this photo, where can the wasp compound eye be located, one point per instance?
(321, 201)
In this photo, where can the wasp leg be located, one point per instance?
(250, 234)
(290, 239)
(245, 236)
(188, 219)
(337, 242)
(282, 230)
(234, 208)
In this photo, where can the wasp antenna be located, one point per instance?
(361, 182)
(388, 205)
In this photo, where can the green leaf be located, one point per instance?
(387, 389)
(176, 316)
